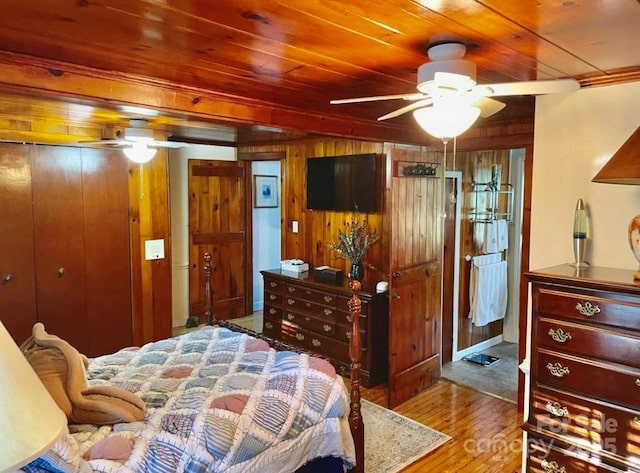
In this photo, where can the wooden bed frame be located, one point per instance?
(355, 306)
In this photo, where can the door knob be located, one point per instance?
(7, 277)
(60, 272)
(395, 297)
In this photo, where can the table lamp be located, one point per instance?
(31, 421)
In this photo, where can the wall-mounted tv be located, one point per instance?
(342, 183)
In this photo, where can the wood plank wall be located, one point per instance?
(317, 228)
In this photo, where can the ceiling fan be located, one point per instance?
(447, 83)
(137, 142)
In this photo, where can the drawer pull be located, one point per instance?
(559, 371)
(638, 382)
(328, 299)
(273, 284)
(348, 334)
(269, 325)
(316, 342)
(291, 301)
(328, 312)
(349, 318)
(291, 316)
(326, 328)
(556, 409)
(559, 335)
(308, 304)
(552, 467)
(272, 311)
(291, 289)
(299, 336)
(273, 297)
(636, 420)
(588, 309)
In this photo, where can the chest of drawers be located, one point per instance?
(584, 402)
(314, 316)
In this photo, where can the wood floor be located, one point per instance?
(485, 431)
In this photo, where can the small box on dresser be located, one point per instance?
(584, 400)
(314, 316)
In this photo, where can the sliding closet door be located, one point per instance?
(17, 273)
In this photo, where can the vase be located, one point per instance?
(634, 241)
(357, 271)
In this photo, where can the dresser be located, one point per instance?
(584, 401)
(314, 316)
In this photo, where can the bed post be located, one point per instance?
(208, 312)
(355, 354)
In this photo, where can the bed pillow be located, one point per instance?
(62, 370)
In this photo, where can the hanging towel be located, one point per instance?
(487, 291)
(490, 238)
(502, 232)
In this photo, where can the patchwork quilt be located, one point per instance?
(217, 401)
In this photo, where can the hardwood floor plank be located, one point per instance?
(485, 431)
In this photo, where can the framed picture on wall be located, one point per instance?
(265, 191)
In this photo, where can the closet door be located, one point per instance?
(59, 243)
(17, 279)
(81, 237)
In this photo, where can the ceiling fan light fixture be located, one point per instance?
(446, 120)
(139, 153)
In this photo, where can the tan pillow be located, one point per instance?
(62, 369)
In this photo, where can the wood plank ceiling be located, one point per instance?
(298, 55)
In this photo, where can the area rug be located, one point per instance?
(393, 441)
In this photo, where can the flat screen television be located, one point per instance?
(342, 183)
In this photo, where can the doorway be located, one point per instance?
(464, 233)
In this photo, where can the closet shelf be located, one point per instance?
(491, 202)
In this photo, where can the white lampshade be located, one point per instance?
(446, 120)
(31, 421)
(139, 152)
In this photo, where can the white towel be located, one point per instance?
(481, 260)
(502, 231)
(490, 238)
(488, 292)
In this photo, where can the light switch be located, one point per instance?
(154, 249)
(294, 226)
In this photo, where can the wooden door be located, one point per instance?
(17, 269)
(415, 285)
(218, 225)
(81, 247)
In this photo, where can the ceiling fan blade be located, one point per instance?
(169, 144)
(415, 96)
(407, 108)
(534, 87)
(104, 142)
(488, 106)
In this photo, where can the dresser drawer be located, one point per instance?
(295, 335)
(610, 382)
(589, 341)
(543, 457)
(271, 327)
(325, 326)
(272, 311)
(590, 308)
(312, 295)
(273, 285)
(584, 422)
(272, 298)
(292, 304)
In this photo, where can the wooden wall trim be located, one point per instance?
(262, 156)
(48, 78)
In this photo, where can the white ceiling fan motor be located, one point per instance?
(447, 58)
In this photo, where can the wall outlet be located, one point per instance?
(294, 226)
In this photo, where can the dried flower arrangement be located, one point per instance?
(355, 242)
